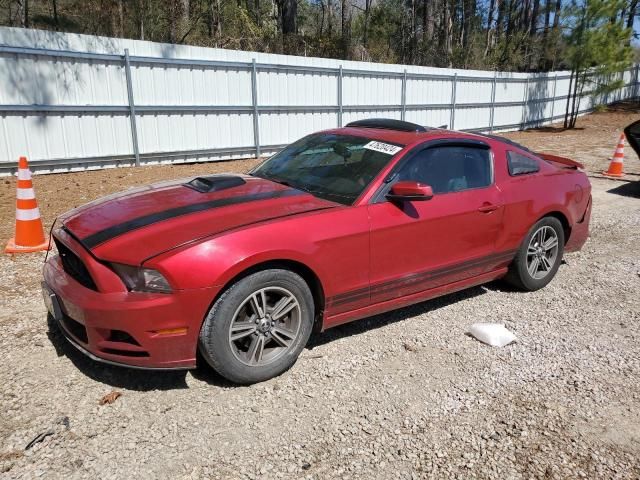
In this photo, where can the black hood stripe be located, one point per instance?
(114, 231)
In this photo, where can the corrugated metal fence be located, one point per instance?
(71, 102)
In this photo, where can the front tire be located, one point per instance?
(539, 256)
(258, 326)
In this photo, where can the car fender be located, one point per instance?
(332, 244)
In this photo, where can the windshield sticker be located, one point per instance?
(383, 147)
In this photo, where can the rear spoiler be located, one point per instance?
(565, 162)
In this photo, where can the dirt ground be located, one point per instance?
(401, 395)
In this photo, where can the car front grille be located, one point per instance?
(74, 266)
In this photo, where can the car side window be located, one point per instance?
(449, 168)
(521, 165)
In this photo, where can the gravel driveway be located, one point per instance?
(401, 395)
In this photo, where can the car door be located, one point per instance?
(418, 245)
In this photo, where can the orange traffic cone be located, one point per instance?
(615, 167)
(29, 232)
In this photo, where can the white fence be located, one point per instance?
(71, 102)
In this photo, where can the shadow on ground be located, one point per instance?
(147, 380)
(406, 313)
(552, 129)
(630, 189)
(142, 380)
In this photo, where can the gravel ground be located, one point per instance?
(401, 395)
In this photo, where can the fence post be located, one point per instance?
(525, 100)
(403, 95)
(254, 101)
(635, 86)
(454, 86)
(132, 107)
(340, 96)
(493, 102)
(553, 103)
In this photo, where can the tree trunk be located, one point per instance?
(344, 28)
(469, 8)
(543, 63)
(566, 110)
(576, 98)
(413, 36)
(55, 14)
(447, 27)
(427, 20)
(492, 6)
(218, 23)
(556, 14)
(632, 13)
(256, 8)
(141, 11)
(511, 19)
(324, 14)
(502, 5)
(23, 13)
(534, 17)
(287, 13)
(365, 29)
(556, 32)
(121, 18)
(185, 13)
(173, 20)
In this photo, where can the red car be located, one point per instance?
(343, 224)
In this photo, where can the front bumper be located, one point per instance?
(136, 329)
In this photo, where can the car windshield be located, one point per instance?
(334, 167)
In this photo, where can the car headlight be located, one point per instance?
(142, 279)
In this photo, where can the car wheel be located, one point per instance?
(539, 256)
(258, 326)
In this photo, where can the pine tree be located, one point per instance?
(597, 51)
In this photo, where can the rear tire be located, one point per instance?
(539, 256)
(258, 326)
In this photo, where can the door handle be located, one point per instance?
(487, 207)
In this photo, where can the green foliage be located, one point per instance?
(531, 35)
(598, 50)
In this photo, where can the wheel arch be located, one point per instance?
(309, 276)
(562, 218)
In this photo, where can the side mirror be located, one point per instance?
(407, 191)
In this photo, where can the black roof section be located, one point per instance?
(388, 124)
(507, 141)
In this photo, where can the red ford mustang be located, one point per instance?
(340, 225)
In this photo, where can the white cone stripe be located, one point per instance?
(26, 194)
(26, 215)
(616, 160)
(24, 174)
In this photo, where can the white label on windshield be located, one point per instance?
(383, 148)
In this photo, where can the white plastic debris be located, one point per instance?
(494, 334)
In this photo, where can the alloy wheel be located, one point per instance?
(265, 326)
(542, 252)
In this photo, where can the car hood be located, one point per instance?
(133, 226)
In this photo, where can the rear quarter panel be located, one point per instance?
(529, 197)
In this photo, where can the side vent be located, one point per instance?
(214, 183)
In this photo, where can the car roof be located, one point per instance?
(407, 133)
(405, 138)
